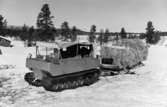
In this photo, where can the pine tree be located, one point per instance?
(106, 36)
(92, 36)
(31, 32)
(1, 21)
(123, 33)
(24, 33)
(65, 30)
(45, 24)
(44, 20)
(74, 33)
(101, 36)
(3, 25)
(117, 36)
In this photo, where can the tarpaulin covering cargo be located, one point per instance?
(137, 44)
(125, 53)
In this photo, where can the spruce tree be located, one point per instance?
(149, 32)
(151, 36)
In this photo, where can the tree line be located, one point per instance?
(46, 31)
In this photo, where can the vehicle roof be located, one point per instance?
(60, 44)
(47, 44)
(68, 44)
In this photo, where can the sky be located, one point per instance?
(133, 15)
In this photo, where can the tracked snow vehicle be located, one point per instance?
(65, 66)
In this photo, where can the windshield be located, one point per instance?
(43, 51)
(48, 54)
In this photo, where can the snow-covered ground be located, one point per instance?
(146, 88)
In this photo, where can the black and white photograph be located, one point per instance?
(83, 53)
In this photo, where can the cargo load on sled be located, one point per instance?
(123, 55)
